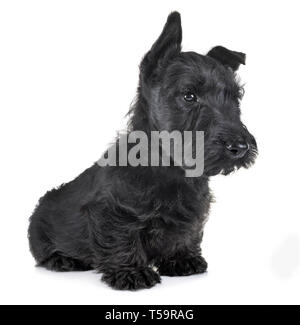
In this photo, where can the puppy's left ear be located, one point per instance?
(227, 57)
(166, 46)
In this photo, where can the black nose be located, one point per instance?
(237, 149)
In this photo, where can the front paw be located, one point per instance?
(183, 266)
(131, 279)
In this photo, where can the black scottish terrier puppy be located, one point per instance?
(123, 221)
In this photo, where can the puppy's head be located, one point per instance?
(187, 91)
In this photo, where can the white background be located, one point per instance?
(68, 72)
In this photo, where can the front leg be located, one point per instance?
(130, 277)
(182, 264)
(185, 259)
(125, 265)
(118, 251)
(184, 256)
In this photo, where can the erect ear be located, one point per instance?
(227, 57)
(166, 46)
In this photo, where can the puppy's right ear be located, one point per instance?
(167, 46)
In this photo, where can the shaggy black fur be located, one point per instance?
(122, 221)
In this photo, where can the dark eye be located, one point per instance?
(190, 97)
